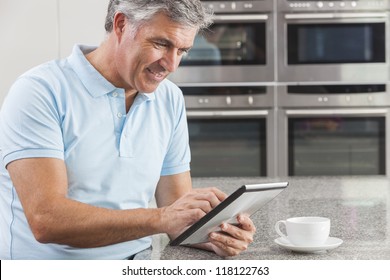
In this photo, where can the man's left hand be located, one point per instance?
(232, 239)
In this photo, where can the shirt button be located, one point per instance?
(119, 115)
(114, 94)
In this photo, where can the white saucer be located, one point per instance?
(331, 243)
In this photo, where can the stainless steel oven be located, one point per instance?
(333, 129)
(238, 47)
(333, 41)
(231, 130)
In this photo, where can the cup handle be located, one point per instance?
(277, 228)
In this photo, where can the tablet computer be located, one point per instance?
(246, 199)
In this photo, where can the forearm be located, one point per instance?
(42, 187)
(81, 225)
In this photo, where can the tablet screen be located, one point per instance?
(246, 199)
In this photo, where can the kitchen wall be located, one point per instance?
(35, 31)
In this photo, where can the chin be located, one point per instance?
(149, 88)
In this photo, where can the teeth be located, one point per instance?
(156, 74)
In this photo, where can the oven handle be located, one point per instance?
(335, 15)
(338, 112)
(240, 18)
(215, 114)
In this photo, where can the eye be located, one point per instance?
(183, 52)
(160, 44)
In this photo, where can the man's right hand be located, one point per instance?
(189, 208)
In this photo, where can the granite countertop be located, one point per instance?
(359, 209)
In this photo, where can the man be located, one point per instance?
(87, 142)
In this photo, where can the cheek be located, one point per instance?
(126, 64)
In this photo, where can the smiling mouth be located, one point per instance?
(158, 76)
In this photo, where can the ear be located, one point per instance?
(119, 24)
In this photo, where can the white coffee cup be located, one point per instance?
(305, 231)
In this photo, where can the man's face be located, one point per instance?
(145, 59)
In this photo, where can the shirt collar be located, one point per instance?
(95, 83)
(147, 96)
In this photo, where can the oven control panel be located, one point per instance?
(201, 97)
(333, 5)
(239, 7)
(333, 96)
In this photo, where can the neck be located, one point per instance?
(102, 61)
(129, 99)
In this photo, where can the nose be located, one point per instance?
(171, 60)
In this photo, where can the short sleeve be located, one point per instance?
(30, 124)
(177, 159)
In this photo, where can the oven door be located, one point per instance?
(231, 143)
(333, 47)
(237, 48)
(333, 142)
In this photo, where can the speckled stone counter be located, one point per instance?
(359, 209)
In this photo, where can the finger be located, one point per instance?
(212, 195)
(237, 233)
(188, 218)
(219, 194)
(227, 243)
(224, 251)
(201, 204)
(246, 223)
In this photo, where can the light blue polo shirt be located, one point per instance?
(65, 109)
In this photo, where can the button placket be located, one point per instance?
(125, 146)
(117, 103)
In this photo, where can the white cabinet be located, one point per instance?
(29, 36)
(36, 31)
(81, 22)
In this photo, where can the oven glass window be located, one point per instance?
(227, 147)
(229, 44)
(336, 146)
(336, 43)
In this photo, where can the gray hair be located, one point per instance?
(186, 12)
